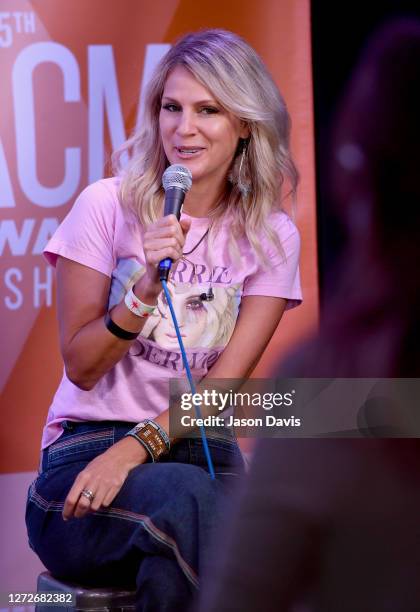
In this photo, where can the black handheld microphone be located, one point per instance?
(176, 181)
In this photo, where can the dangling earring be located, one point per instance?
(244, 187)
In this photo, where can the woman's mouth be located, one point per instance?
(187, 152)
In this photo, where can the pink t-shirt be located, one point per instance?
(100, 234)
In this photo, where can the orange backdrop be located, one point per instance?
(71, 82)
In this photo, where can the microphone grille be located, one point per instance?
(177, 176)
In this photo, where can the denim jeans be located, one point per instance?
(158, 530)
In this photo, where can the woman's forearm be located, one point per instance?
(94, 350)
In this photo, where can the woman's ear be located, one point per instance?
(244, 132)
(242, 145)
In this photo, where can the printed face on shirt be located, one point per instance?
(196, 130)
(201, 323)
(191, 314)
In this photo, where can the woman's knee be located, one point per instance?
(158, 484)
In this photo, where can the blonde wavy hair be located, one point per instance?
(238, 79)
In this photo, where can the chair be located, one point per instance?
(85, 598)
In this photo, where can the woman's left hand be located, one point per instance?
(103, 477)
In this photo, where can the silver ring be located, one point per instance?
(89, 494)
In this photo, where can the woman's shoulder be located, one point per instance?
(283, 225)
(103, 188)
(87, 233)
(282, 221)
(99, 199)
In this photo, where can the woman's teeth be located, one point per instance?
(188, 151)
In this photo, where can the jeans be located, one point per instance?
(157, 532)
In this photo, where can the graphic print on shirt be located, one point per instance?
(203, 323)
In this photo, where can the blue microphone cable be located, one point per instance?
(189, 376)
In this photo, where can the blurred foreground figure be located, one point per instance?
(334, 525)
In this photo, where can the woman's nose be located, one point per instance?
(179, 313)
(186, 123)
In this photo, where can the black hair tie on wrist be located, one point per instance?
(117, 330)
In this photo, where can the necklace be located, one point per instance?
(209, 296)
(198, 243)
(207, 230)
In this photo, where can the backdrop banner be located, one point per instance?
(73, 75)
(72, 80)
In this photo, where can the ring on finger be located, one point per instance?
(88, 494)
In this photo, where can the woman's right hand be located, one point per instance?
(162, 239)
(103, 477)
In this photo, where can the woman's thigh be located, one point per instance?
(170, 508)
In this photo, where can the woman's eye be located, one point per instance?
(172, 108)
(209, 110)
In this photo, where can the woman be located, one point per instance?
(211, 106)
